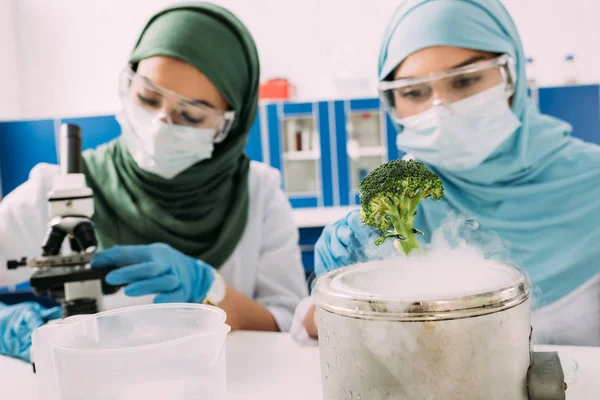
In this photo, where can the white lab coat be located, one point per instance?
(564, 322)
(265, 266)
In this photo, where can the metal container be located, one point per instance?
(474, 346)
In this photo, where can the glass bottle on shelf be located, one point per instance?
(365, 145)
(301, 156)
(531, 72)
(570, 72)
(532, 80)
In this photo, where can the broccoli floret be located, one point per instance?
(390, 195)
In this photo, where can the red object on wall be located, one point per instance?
(276, 89)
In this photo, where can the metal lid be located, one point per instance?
(408, 290)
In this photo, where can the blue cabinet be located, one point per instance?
(23, 144)
(365, 139)
(323, 148)
(578, 105)
(300, 147)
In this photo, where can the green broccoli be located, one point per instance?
(390, 195)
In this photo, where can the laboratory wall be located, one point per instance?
(63, 57)
(10, 100)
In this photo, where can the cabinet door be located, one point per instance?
(299, 146)
(23, 144)
(362, 143)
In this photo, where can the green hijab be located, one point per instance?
(202, 211)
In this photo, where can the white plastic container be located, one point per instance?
(170, 351)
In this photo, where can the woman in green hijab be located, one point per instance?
(178, 204)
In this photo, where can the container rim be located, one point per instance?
(365, 306)
(221, 329)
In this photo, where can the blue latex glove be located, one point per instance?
(343, 243)
(17, 323)
(157, 269)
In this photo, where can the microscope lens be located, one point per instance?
(53, 241)
(84, 232)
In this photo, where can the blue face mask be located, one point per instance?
(461, 135)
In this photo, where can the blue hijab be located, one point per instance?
(540, 190)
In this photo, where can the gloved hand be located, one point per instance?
(157, 269)
(17, 323)
(344, 243)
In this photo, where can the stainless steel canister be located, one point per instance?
(475, 346)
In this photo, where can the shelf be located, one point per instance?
(306, 194)
(377, 151)
(356, 152)
(320, 216)
(301, 156)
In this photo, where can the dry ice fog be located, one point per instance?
(455, 263)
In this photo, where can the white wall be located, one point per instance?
(10, 99)
(70, 52)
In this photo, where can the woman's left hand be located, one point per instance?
(17, 323)
(157, 269)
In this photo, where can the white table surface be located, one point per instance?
(272, 366)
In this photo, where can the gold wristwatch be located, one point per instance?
(216, 293)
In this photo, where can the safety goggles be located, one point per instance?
(172, 108)
(407, 97)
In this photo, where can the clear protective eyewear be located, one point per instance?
(407, 97)
(171, 107)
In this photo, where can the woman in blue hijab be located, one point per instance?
(452, 76)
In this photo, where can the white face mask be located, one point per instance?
(461, 135)
(160, 148)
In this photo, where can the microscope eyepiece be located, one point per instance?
(70, 149)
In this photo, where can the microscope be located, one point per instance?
(68, 279)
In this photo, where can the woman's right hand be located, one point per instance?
(343, 243)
